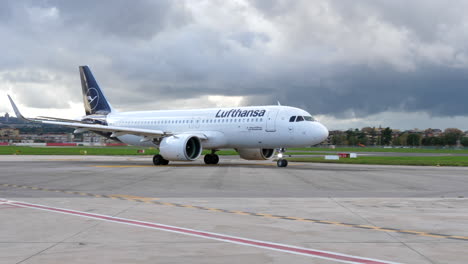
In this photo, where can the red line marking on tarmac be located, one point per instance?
(5, 206)
(208, 235)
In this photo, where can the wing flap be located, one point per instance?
(112, 129)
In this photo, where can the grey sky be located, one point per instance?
(345, 61)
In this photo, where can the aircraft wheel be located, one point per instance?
(159, 160)
(215, 159)
(207, 159)
(211, 159)
(282, 163)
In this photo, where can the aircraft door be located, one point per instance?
(271, 120)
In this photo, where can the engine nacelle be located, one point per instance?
(256, 154)
(180, 147)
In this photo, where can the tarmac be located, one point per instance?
(121, 209)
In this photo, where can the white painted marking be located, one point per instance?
(343, 258)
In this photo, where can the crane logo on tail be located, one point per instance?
(93, 97)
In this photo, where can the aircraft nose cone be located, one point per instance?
(320, 133)
(323, 132)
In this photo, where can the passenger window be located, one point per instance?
(292, 118)
(299, 119)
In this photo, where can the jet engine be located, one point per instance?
(255, 154)
(182, 147)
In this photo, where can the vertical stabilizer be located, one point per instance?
(94, 100)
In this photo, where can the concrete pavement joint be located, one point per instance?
(151, 201)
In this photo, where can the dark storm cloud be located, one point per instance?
(425, 19)
(360, 91)
(121, 18)
(339, 58)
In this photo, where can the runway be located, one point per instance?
(386, 214)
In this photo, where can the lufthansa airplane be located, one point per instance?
(254, 132)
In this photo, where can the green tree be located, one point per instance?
(452, 135)
(338, 139)
(464, 141)
(386, 136)
(413, 140)
(427, 141)
(351, 137)
(432, 141)
(362, 138)
(403, 138)
(373, 139)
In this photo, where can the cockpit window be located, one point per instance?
(292, 118)
(300, 118)
(309, 118)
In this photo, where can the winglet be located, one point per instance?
(17, 112)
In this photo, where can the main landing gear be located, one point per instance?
(211, 158)
(159, 160)
(281, 162)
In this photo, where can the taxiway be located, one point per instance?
(391, 214)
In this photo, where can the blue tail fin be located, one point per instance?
(94, 100)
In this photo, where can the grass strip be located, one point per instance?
(22, 150)
(400, 150)
(417, 161)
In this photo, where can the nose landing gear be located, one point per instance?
(212, 158)
(281, 162)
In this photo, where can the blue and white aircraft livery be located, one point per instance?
(181, 135)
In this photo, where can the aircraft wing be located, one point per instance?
(115, 130)
(120, 131)
(61, 119)
(82, 126)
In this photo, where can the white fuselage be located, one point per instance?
(238, 127)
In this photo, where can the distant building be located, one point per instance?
(90, 137)
(9, 133)
(48, 138)
(430, 132)
(415, 131)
